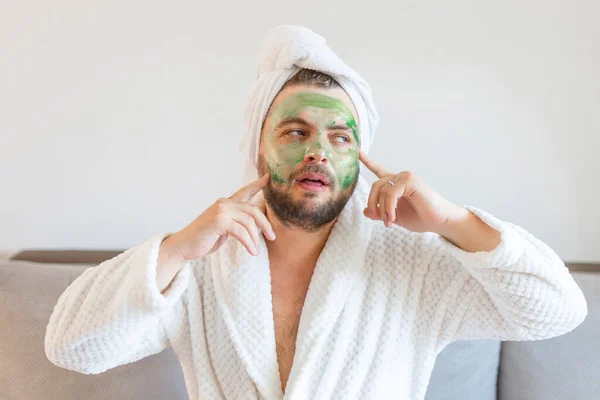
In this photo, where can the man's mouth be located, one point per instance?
(313, 181)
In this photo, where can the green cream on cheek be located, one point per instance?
(283, 159)
(279, 161)
(349, 172)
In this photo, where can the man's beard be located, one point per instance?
(296, 213)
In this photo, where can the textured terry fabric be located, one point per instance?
(566, 367)
(370, 328)
(28, 292)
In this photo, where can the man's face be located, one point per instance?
(310, 145)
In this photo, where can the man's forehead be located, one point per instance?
(302, 98)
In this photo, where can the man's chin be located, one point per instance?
(306, 209)
(311, 197)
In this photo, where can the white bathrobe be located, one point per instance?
(381, 304)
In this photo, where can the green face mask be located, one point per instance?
(287, 146)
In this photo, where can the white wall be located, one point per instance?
(121, 119)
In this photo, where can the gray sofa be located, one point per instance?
(566, 367)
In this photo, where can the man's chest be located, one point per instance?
(288, 300)
(289, 294)
(286, 318)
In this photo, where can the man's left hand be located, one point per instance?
(404, 200)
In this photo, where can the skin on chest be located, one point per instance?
(288, 301)
(289, 294)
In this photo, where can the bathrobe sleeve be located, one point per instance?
(521, 290)
(109, 315)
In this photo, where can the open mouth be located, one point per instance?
(313, 181)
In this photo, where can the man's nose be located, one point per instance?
(315, 154)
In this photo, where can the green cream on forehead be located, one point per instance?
(282, 159)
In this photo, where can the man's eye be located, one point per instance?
(341, 139)
(295, 132)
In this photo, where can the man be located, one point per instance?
(356, 288)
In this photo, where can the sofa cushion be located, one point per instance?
(465, 370)
(564, 367)
(28, 293)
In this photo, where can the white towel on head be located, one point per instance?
(284, 51)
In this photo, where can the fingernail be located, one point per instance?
(269, 235)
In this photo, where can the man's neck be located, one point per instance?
(295, 248)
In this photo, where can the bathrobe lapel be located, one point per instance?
(243, 293)
(338, 268)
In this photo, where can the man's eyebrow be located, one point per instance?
(293, 120)
(302, 121)
(339, 127)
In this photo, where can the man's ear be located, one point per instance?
(261, 139)
(263, 135)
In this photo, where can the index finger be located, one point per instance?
(375, 167)
(248, 191)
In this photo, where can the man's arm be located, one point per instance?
(492, 279)
(470, 233)
(109, 315)
(506, 287)
(169, 263)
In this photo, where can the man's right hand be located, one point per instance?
(232, 216)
